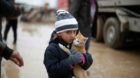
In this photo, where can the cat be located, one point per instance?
(79, 46)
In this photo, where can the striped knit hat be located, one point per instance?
(65, 21)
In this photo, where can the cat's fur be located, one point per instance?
(79, 46)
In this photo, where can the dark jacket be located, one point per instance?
(80, 9)
(94, 23)
(5, 51)
(54, 60)
(7, 8)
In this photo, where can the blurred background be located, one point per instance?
(115, 45)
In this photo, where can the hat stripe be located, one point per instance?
(67, 30)
(64, 16)
(66, 27)
(60, 11)
(65, 22)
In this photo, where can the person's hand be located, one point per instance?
(16, 58)
(75, 57)
(16, 7)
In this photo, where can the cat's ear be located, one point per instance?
(79, 33)
(86, 38)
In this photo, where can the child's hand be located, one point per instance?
(75, 57)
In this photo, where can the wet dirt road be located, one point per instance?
(110, 63)
(34, 38)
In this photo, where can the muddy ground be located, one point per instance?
(33, 38)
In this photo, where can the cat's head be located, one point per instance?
(80, 40)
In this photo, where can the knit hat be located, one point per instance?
(65, 21)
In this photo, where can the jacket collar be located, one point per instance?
(61, 41)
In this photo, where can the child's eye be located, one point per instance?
(71, 32)
(68, 32)
(74, 32)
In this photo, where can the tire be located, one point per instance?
(112, 36)
(99, 34)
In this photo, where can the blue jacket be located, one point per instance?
(53, 60)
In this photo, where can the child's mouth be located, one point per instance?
(71, 40)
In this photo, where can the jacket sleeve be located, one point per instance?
(88, 61)
(5, 51)
(7, 8)
(54, 66)
(74, 7)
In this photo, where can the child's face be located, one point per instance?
(68, 36)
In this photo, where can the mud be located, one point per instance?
(34, 38)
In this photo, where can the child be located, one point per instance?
(57, 62)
